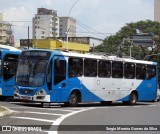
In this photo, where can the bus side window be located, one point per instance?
(90, 67)
(117, 69)
(75, 67)
(129, 70)
(59, 71)
(141, 71)
(151, 71)
(104, 69)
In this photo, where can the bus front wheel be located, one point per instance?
(73, 100)
(133, 99)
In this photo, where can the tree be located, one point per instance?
(120, 43)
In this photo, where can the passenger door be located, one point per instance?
(9, 71)
(59, 77)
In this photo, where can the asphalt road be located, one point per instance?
(83, 119)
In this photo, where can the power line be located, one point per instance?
(94, 33)
(20, 26)
(22, 21)
(90, 30)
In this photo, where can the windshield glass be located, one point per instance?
(31, 72)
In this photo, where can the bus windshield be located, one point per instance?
(31, 72)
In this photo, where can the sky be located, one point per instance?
(96, 18)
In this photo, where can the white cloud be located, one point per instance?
(19, 18)
(48, 2)
(105, 16)
(15, 14)
(111, 15)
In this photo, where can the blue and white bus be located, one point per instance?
(8, 66)
(67, 77)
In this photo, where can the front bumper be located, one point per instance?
(37, 98)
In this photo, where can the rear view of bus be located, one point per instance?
(8, 66)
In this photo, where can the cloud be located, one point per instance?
(48, 2)
(105, 16)
(108, 16)
(20, 20)
(14, 14)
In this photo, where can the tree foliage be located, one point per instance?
(120, 44)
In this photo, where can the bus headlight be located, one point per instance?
(41, 92)
(15, 90)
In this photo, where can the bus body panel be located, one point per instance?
(7, 87)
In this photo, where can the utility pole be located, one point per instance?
(28, 37)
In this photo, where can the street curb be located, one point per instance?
(6, 112)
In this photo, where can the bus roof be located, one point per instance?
(6, 47)
(89, 55)
(113, 58)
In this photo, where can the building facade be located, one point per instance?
(6, 32)
(157, 10)
(45, 24)
(67, 25)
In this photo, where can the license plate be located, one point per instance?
(26, 97)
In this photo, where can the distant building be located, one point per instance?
(157, 10)
(6, 36)
(67, 24)
(93, 42)
(77, 46)
(45, 24)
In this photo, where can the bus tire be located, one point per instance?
(73, 99)
(133, 99)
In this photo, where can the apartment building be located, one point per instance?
(6, 36)
(157, 10)
(67, 25)
(45, 24)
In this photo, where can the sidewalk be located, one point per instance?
(4, 111)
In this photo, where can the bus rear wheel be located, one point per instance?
(133, 99)
(73, 100)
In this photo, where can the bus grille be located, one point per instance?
(26, 91)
